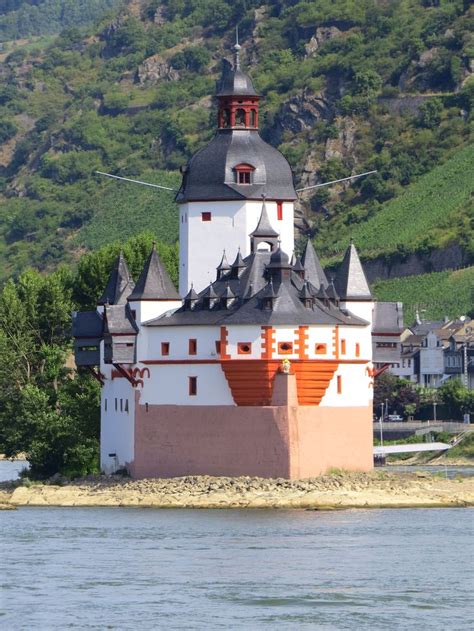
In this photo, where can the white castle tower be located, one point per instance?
(223, 185)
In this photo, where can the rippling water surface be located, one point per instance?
(99, 568)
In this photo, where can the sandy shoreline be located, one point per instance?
(336, 491)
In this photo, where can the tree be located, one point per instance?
(457, 398)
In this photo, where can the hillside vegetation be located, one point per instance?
(449, 293)
(23, 18)
(348, 86)
(435, 210)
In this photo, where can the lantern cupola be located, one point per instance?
(238, 100)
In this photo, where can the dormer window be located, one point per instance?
(244, 173)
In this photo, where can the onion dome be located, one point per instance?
(119, 285)
(154, 282)
(237, 163)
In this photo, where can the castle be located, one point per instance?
(264, 367)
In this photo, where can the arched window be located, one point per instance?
(253, 118)
(244, 173)
(240, 118)
(226, 118)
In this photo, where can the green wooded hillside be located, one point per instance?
(24, 18)
(348, 86)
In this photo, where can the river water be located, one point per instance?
(146, 569)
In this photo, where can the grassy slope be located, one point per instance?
(449, 293)
(125, 209)
(426, 205)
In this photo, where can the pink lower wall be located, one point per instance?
(273, 441)
(174, 441)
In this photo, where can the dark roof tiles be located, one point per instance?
(154, 282)
(351, 283)
(119, 285)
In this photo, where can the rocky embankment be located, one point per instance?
(335, 491)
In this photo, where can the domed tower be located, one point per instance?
(223, 185)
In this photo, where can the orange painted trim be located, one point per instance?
(244, 362)
(302, 342)
(339, 384)
(335, 341)
(357, 349)
(343, 347)
(268, 338)
(224, 335)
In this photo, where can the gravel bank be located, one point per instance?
(335, 491)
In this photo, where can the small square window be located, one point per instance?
(320, 349)
(284, 348)
(206, 216)
(192, 347)
(165, 348)
(244, 348)
(192, 386)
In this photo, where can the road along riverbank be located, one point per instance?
(338, 490)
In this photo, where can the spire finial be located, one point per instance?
(237, 48)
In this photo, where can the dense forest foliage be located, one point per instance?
(24, 18)
(48, 410)
(347, 86)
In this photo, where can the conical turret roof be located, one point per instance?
(154, 282)
(119, 285)
(224, 264)
(314, 271)
(264, 227)
(351, 283)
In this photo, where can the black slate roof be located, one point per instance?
(87, 324)
(210, 175)
(264, 227)
(351, 283)
(119, 320)
(119, 285)
(234, 82)
(312, 265)
(267, 291)
(154, 282)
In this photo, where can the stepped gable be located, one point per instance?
(119, 285)
(350, 282)
(154, 282)
(245, 299)
(313, 268)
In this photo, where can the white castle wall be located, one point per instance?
(117, 424)
(169, 385)
(202, 242)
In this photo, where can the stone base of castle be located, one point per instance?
(282, 440)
